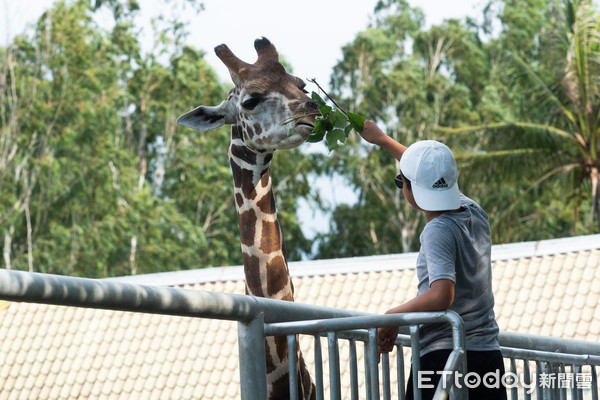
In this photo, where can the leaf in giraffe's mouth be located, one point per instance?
(302, 119)
(334, 124)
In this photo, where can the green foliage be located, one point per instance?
(96, 180)
(334, 124)
(549, 139)
(408, 96)
(522, 99)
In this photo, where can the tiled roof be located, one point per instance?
(53, 352)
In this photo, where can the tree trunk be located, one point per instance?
(132, 254)
(7, 245)
(28, 220)
(141, 148)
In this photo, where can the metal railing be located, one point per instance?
(259, 317)
(364, 329)
(550, 368)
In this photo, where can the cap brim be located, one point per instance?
(437, 200)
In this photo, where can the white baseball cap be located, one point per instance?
(431, 169)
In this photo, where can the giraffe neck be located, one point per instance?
(263, 251)
(263, 248)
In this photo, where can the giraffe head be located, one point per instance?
(269, 106)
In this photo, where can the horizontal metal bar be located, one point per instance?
(93, 293)
(362, 335)
(556, 358)
(548, 343)
(368, 321)
(106, 294)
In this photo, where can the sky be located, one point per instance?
(309, 34)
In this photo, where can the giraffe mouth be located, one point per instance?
(304, 125)
(305, 122)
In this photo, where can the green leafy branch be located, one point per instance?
(334, 124)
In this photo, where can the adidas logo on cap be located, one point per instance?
(441, 184)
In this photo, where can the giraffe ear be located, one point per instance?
(205, 118)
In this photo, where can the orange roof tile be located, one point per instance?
(52, 352)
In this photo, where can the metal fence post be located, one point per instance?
(253, 370)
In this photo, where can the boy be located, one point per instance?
(453, 266)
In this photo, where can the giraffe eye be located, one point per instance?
(251, 103)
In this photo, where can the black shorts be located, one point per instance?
(478, 362)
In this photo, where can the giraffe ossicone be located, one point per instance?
(268, 109)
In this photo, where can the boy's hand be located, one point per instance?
(371, 132)
(386, 337)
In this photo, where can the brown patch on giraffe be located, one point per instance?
(238, 172)
(251, 131)
(265, 177)
(248, 227)
(278, 278)
(281, 388)
(239, 200)
(235, 132)
(270, 240)
(252, 267)
(242, 179)
(257, 129)
(267, 204)
(244, 154)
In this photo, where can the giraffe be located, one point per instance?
(264, 96)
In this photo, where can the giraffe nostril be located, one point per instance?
(311, 106)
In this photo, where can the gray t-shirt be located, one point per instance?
(457, 247)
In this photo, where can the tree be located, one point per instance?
(519, 108)
(96, 179)
(72, 186)
(549, 141)
(410, 92)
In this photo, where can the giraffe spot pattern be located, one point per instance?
(248, 224)
(243, 153)
(267, 203)
(239, 200)
(270, 237)
(278, 279)
(257, 129)
(253, 280)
